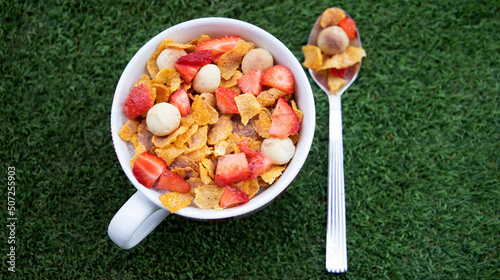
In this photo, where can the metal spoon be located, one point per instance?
(336, 247)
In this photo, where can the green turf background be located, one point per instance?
(421, 139)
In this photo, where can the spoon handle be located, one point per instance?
(336, 247)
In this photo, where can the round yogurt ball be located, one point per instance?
(280, 151)
(163, 119)
(168, 57)
(257, 59)
(333, 40)
(207, 79)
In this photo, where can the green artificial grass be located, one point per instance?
(421, 143)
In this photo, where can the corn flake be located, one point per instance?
(220, 148)
(335, 83)
(299, 113)
(274, 172)
(187, 47)
(128, 131)
(331, 16)
(139, 149)
(294, 137)
(202, 38)
(162, 93)
(312, 56)
(232, 81)
(169, 78)
(205, 172)
(185, 172)
(183, 138)
(170, 153)
(250, 187)
(231, 60)
(349, 57)
(214, 115)
(221, 130)
(175, 201)
(202, 115)
(268, 98)
(210, 166)
(263, 123)
(144, 80)
(248, 106)
(187, 120)
(208, 196)
(162, 141)
(194, 182)
(209, 98)
(198, 139)
(199, 154)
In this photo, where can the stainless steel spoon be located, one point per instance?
(336, 247)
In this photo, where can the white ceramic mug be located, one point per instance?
(144, 211)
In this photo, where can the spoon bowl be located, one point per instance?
(336, 247)
(322, 79)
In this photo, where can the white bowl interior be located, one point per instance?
(217, 27)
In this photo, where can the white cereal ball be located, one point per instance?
(257, 59)
(163, 118)
(168, 57)
(280, 151)
(333, 40)
(207, 79)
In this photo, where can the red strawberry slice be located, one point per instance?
(232, 196)
(199, 58)
(257, 162)
(250, 82)
(148, 168)
(225, 100)
(284, 121)
(187, 71)
(219, 45)
(231, 168)
(339, 72)
(138, 101)
(279, 77)
(217, 58)
(349, 26)
(180, 99)
(170, 181)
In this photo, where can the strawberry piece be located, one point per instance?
(225, 100)
(148, 168)
(170, 181)
(187, 71)
(284, 121)
(218, 45)
(349, 26)
(180, 99)
(339, 72)
(200, 58)
(231, 168)
(279, 77)
(250, 82)
(232, 196)
(217, 58)
(257, 162)
(139, 101)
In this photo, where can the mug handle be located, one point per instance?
(135, 220)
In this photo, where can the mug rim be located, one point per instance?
(220, 27)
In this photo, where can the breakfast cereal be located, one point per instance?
(215, 147)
